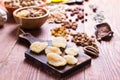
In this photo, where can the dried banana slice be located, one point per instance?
(59, 42)
(72, 51)
(56, 60)
(71, 59)
(37, 47)
(51, 49)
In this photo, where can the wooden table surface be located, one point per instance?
(13, 65)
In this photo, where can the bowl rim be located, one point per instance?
(16, 7)
(22, 8)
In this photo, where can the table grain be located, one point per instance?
(14, 66)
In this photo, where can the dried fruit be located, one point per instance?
(37, 47)
(56, 60)
(51, 49)
(71, 59)
(72, 51)
(60, 32)
(59, 42)
(103, 32)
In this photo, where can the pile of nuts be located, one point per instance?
(57, 17)
(23, 3)
(77, 11)
(57, 13)
(82, 39)
(31, 2)
(60, 31)
(31, 12)
(70, 25)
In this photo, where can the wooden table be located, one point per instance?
(13, 65)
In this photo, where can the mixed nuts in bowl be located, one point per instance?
(31, 17)
(12, 5)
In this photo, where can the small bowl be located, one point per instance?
(30, 22)
(10, 9)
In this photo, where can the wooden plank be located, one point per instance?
(107, 65)
(7, 38)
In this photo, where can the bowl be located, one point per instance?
(30, 22)
(11, 8)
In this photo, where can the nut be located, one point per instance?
(70, 25)
(81, 39)
(91, 51)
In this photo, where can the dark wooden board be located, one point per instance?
(41, 59)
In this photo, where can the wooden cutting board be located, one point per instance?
(41, 59)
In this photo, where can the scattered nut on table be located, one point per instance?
(82, 39)
(76, 11)
(91, 51)
(70, 25)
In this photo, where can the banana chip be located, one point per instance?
(37, 47)
(72, 51)
(71, 59)
(51, 49)
(59, 42)
(56, 60)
